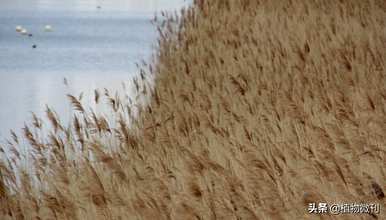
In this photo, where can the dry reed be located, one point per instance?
(258, 108)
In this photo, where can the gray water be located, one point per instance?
(90, 47)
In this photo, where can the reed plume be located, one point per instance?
(248, 110)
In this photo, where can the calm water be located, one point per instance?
(92, 48)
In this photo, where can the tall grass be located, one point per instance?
(258, 108)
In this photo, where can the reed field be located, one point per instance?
(249, 110)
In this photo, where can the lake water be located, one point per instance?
(90, 47)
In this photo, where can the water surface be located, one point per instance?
(91, 47)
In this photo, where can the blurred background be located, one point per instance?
(91, 43)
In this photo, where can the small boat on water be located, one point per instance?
(19, 28)
(24, 31)
(47, 28)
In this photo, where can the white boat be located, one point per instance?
(19, 28)
(24, 31)
(47, 28)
